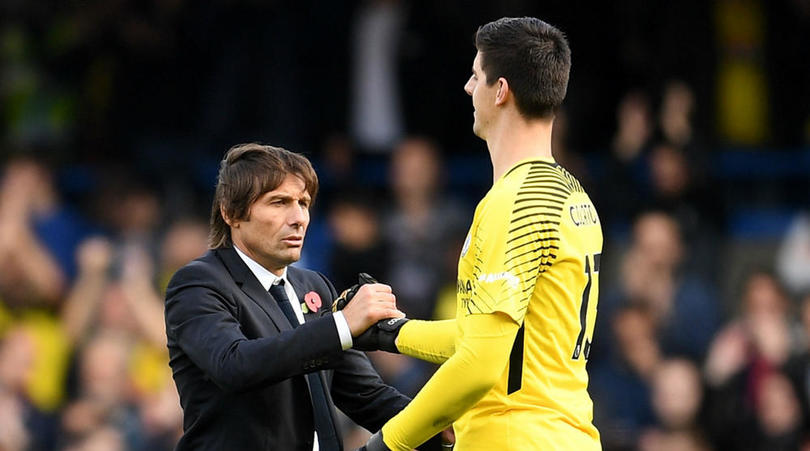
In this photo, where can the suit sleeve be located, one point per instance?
(203, 323)
(359, 391)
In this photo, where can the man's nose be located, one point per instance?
(468, 86)
(299, 215)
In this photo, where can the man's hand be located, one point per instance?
(370, 303)
(348, 294)
(379, 337)
(375, 443)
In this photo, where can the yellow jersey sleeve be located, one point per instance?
(432, 341)
(475, 366)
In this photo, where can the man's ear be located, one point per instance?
(227, 220)
(503, 92)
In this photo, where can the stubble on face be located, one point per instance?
(476, 87)
(273, 234)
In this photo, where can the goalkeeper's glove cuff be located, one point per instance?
(375, 443)
(381, 336)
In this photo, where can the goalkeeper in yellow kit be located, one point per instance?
(513, 361)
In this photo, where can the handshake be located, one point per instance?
(377, 301)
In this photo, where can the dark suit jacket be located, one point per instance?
(239, 365)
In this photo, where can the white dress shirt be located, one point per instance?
(268, 279)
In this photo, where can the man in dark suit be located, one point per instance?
(259, 359)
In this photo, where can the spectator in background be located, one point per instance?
(418, 231)
(105, 438)
(418, 227)
(654, 276)
(22, 425)
(634, 128)
(105, 399)
(446, 305)
(336, 166)
(620, 383)
(161, 419)
(793, 257)
(742, 356)
(798, 366)
(675, 188)
(131, 209)
(675, 114)
(625, 165)
(336, 173)
(677, 395)
(116, 301)
(112, 294)
(184, 240)
(38, 236)
(358, 244)
(778, 416)
(564, 155)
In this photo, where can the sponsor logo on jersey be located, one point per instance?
(510, 278)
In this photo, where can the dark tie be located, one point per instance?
(327, 436)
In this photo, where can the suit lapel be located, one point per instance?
(250, 285)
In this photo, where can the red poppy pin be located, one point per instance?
(313, 301)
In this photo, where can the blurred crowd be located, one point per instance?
(115, 114)
(676, 363)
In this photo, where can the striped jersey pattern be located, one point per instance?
(533, 253)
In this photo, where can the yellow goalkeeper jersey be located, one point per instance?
(533, 253)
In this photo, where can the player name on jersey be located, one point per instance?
(583, 214)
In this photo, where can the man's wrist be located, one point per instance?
(343, 330)
(390, 329)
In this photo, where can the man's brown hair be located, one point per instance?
(532, 56)
(246, 172)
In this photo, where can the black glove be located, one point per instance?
(347, 295)
(379, 337)
(375, 443)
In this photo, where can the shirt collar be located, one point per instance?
(266, 278)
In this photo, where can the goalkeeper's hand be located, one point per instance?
(375, 443)
(380, 336)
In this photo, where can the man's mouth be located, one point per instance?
(294, 240)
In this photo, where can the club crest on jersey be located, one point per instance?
(466, 246)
